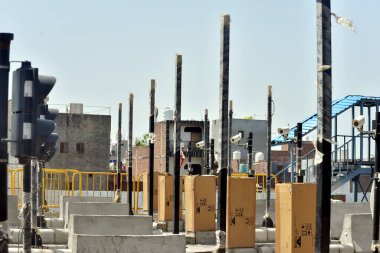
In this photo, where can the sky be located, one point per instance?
(100, 51)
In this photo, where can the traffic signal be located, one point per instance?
(32, 120)
(47, 145)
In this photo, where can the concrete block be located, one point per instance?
(129, 244)
(168, 226)
(49, 236)
(19, 250)
(66, 199)
(201, 237)
(341, 248)
(55, 223)
(357, 231)
(94, 208)
(109, 225)
(13, 212)
(339, 210)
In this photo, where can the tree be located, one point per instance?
(142, 141)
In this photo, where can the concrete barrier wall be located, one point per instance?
(338, 212)
(357, 230)
(129, 244)
(13, 220)
(65, 199)
(94, 208)
(109, 225)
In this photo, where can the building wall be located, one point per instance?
(259, 132)
(93, 131)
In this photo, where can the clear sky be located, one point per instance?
(100, 51)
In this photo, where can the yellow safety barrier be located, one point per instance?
(260, 181)
(56, 183)
(102, 184)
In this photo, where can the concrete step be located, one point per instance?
(20, 250)
(55, 223)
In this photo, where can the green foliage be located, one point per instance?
(142, 141)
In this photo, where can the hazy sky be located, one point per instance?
(100, 51)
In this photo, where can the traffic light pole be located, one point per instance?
(40, 219)
(324, 126)
(34, 190)
(130, 133)
(177, 144)
(5, 41)
(26, 210)
(151, 146)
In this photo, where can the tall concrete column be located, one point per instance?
(151, 146)
(177, 143)
(130, 133)
(223, 121)
(324, 101)
(5, 42)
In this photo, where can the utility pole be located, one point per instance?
(177, 143)
(267, 219)
(118, 159)
(5, 42)
(376, 189)
(130, 132)
(324, 101)
(299, 153)
(230, 115)
(151, 145)
(223, 124)
(206, 138)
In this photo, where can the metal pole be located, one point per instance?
(189, 154)
(291, 150)
(299, 153)
(130, 132)
(26, 207)
(230, 115)
(212, 157)
(376, 189)
(207, 142)
(223, 125)
(5, 42)
(40, 219)
(119, 162)
(177, 142)
(151, 146)
(267, 222)
(250, 151)
(324, 102)
(34, 200)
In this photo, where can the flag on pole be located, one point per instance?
(181, 158)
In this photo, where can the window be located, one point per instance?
(80, 148)
(64, 147)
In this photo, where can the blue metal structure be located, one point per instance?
(348, 158)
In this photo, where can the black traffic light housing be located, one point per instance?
(32, 120)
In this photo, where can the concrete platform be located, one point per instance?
(357, 230)
(94, 208)
(54, 223)
(168, 226)
(66, 199)
(109, 225)
(18, 250)
(129, 244)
